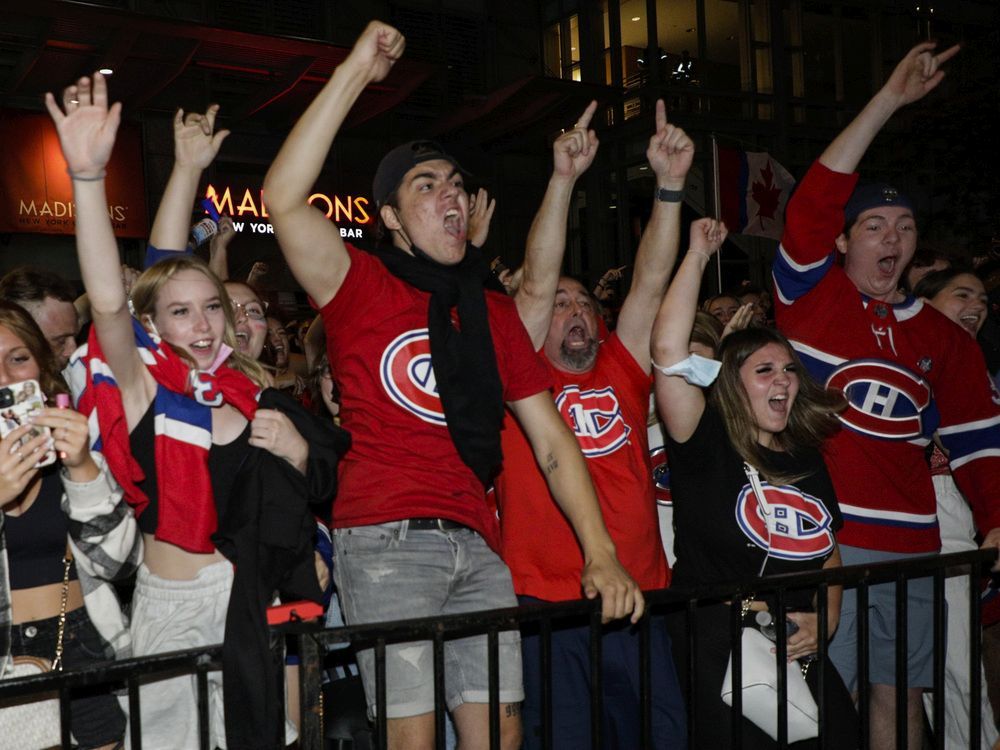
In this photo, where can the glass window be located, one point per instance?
(634, 41)
(723, 45)
(677, 36)
(552, 43)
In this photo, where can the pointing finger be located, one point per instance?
(661, 115)
(588, 114)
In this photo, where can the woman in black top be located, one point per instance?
(41, 581)
(763, 411)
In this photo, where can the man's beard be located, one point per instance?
(579, 360)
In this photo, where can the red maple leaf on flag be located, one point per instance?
(766, 194)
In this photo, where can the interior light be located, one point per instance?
(636, 18)
(106, 71)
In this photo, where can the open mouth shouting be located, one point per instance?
(454, 224)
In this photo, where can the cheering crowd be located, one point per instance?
(446, 441)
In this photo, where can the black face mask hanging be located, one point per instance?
(464, 361)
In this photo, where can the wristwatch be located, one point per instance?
(668, 196)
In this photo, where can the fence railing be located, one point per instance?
(315, 641)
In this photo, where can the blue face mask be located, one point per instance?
(696, 370)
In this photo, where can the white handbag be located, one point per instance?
(760, 668)
(29, 726)
(760, 690)
(32, 723)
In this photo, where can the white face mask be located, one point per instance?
(696, 370)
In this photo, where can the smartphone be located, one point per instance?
(18, 401)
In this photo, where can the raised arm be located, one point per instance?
(195, 146)
(310, 242)
(87, 134)
(681, 404)
(916, 75)
(218, 248)
(573, 153)
(670, 154)
(565, 470)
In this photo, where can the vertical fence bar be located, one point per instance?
(645, 697)
(134, 713)
(864, 690)
(596, 703)
(736, 638)
(493, 658)
(823, 637)
(439, 701)
(65, 717)
(975, 657)
(382, 739)
(781, 655)
(689, 613)
(901, 652)
(939, 654)
(546, 657)
(202, 680)
(310, 693)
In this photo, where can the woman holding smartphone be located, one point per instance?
(42, 573)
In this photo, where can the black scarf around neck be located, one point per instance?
(464, 361)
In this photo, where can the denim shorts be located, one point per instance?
(96, 719)
(387, 572)
(882, 627)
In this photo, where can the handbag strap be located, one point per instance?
(57, 663)
(754, 478)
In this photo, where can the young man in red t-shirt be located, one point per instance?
(412, 533)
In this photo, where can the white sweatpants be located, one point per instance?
(958, 535)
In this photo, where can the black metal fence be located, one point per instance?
(314, 642)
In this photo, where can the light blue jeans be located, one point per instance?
(387, 572)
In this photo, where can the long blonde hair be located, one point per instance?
(147, 290)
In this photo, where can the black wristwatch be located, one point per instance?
(668, 196)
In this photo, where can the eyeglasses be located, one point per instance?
(253, 310)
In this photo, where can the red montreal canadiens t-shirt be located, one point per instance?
(606, 409)
(402, 462)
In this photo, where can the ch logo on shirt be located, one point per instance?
(884, 400)
(661, 476)
(801, 527)
(408, 377)
(595, 418)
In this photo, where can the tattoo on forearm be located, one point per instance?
(512, 709)
(551, 464)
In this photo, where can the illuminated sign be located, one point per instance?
(36, 194)
(249, 211)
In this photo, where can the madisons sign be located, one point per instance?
(36, 194)
(249, 212)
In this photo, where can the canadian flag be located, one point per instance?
(753, 190)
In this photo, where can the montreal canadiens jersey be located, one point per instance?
(906, 370)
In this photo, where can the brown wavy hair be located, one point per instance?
(812, 419)
(16, 319)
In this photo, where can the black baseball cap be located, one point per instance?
(873, 195)
(402, 159)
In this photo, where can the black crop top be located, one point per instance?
(224, 463)
(36, 539)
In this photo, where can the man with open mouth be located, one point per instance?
(905, 369)
(425, 361)
(602, 385)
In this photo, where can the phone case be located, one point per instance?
(18, 401)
